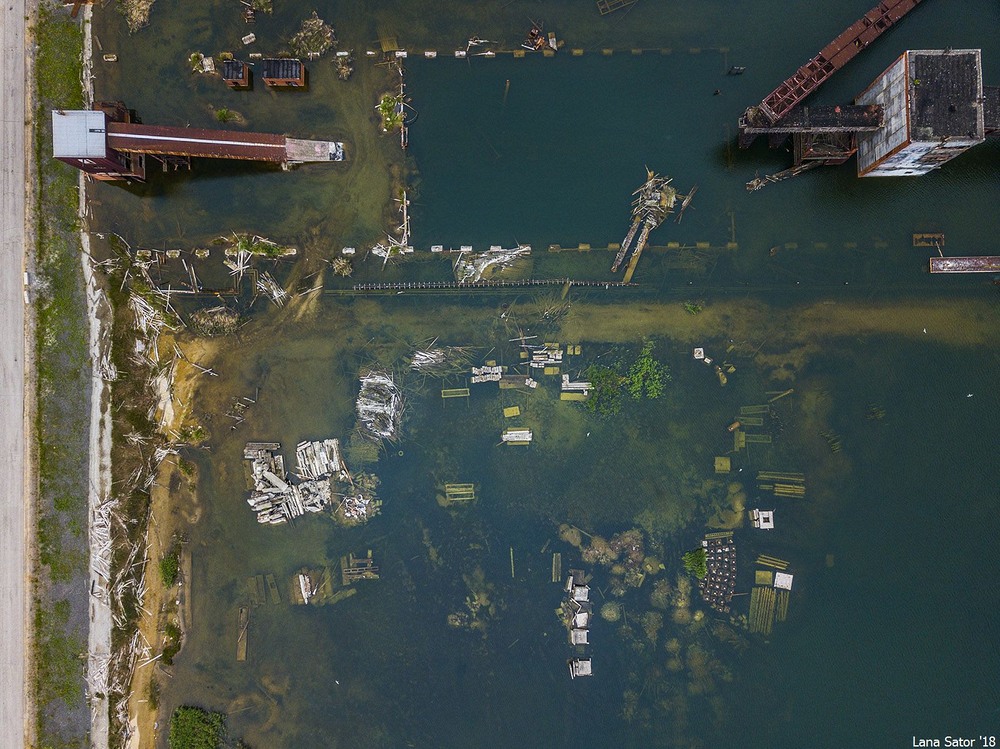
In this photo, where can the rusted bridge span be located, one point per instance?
(780, 102)
(110, 144)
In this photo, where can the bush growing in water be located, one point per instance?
(195, 728)
(170, 567)
(173, 644)
(605, 390)
(390, 109)
(696, 563)
(645, 378)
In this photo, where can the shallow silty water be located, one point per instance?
(890, 622)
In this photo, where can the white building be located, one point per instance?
(933, 103)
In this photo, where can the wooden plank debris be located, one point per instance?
(928, 240)
(762, 603)
(782, 484)
(272, 589)
(783, 598)
(242, 627)
(768, 561)
(610, 6)
(455, 493)
(354, 568)
(256, 599)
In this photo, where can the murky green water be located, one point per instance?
(893, 640)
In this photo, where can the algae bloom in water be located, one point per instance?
(611, 611)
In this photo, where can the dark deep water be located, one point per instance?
(895, 637)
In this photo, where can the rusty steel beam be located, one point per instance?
(833, 57)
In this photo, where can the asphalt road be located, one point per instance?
(13, 507)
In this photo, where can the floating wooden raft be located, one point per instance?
(780, 476)
(752, 421)
(557, 567)
(754, 410)
(610, 6)
(767, 561)
(762, 603)
(928, 240)
(454, 392)
(718, 534)
(788, 490)
(739, 440)
(460, 492)
(763, 577)
(242, 625)
(761, 439)
(782, 613)
(782, 484)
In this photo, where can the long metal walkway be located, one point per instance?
(421, 285)
(158, 140)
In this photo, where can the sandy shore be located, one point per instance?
(173, 506)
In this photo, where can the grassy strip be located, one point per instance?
(62, 417)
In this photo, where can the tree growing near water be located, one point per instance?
(696, 562)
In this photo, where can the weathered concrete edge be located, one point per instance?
(99, 454)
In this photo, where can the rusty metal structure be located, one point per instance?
(824, 135)
(109, 143)
(833, 57)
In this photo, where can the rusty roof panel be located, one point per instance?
(190, 141)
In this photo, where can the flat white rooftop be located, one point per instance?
(79, 134)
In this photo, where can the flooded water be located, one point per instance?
(890, 625)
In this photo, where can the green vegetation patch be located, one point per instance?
(170, 566)
(645, 378)
(195, 728)
(390, 109)
(61, 428)
(696, 562)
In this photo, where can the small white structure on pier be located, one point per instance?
(763, 519)
(516, 436)
(580, 667)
